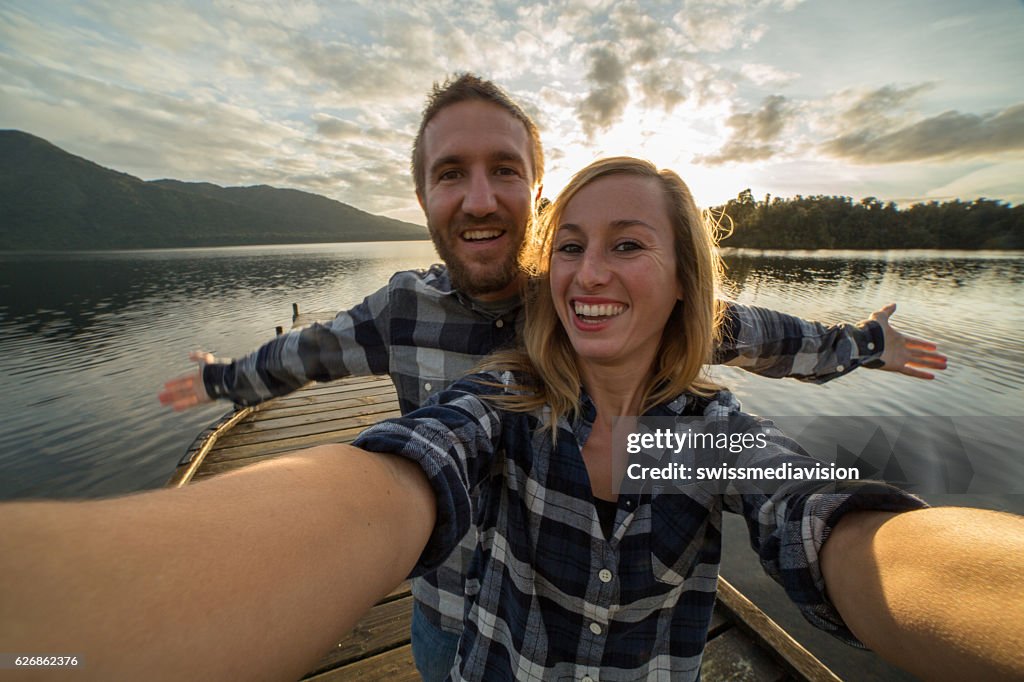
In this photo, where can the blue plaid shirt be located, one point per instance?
(549, 597)
(425, 335)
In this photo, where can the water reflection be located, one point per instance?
(87, 339)
(68, 294)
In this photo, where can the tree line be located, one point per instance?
(831, 222)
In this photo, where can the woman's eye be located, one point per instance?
(628, 246)
(570, 248)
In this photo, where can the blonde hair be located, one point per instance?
(548, 360)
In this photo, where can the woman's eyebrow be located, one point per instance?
(620, 224)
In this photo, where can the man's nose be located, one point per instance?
(480, 200)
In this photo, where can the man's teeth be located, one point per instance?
(603, 310)
(473, 235)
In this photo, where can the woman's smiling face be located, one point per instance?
(613, 270)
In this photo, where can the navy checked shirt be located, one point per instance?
(425, 335)
(549, 597)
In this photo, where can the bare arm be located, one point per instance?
(939, 592)
(251, 575)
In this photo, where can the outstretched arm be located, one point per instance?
(354, 343)
(251, 575)
(776, 345)
(939, 592)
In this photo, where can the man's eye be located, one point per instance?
(505, 170)
(449, 175)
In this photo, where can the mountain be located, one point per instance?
(53, 200)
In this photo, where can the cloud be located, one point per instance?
(652, 52)
(336, 128)
(608, 95)
(947, 136)
(878, 106)
(753, 133)
(766, 74)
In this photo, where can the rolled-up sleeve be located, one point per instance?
(789, 525)
(453, 439)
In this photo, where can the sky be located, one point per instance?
(905, 101)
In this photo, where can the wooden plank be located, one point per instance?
(384, 627)
(338, 433)
(320, 406)
(348, 386)
(798, 660)
(395, 666)
(252, 454)
(733, 656)
(282, 420)
(403, 590)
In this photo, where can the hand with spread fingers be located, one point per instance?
(188, 390)
(907, 354)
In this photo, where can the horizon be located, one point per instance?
(908, 104)
(420, 223)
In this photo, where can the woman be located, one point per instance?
(571, 580)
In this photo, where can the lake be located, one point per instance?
(87, 340)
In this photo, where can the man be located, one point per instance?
(478, 167)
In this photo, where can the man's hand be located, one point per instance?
(188, 390)
(906, 354)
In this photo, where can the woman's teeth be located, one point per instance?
(602, 310)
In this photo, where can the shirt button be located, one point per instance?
(595, 628)
(427, 386)
(871, 345)
(840, 368)
(499, 324)
(605, 575)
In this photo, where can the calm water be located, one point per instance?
(87, 339)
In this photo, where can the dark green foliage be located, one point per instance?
(52, 200)
(825, 222)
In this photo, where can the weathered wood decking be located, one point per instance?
(743, 643)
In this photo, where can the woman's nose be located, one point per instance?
(593, 270)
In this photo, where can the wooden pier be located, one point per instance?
(744, 645)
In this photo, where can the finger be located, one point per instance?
(935, 361)
(179, 383)
(184, 403)
(916, 373)
(202, 356)
(172, 398)
(885, 312)
(914, 342)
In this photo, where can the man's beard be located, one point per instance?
(471, 281)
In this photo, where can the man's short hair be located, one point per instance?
(469, 87)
